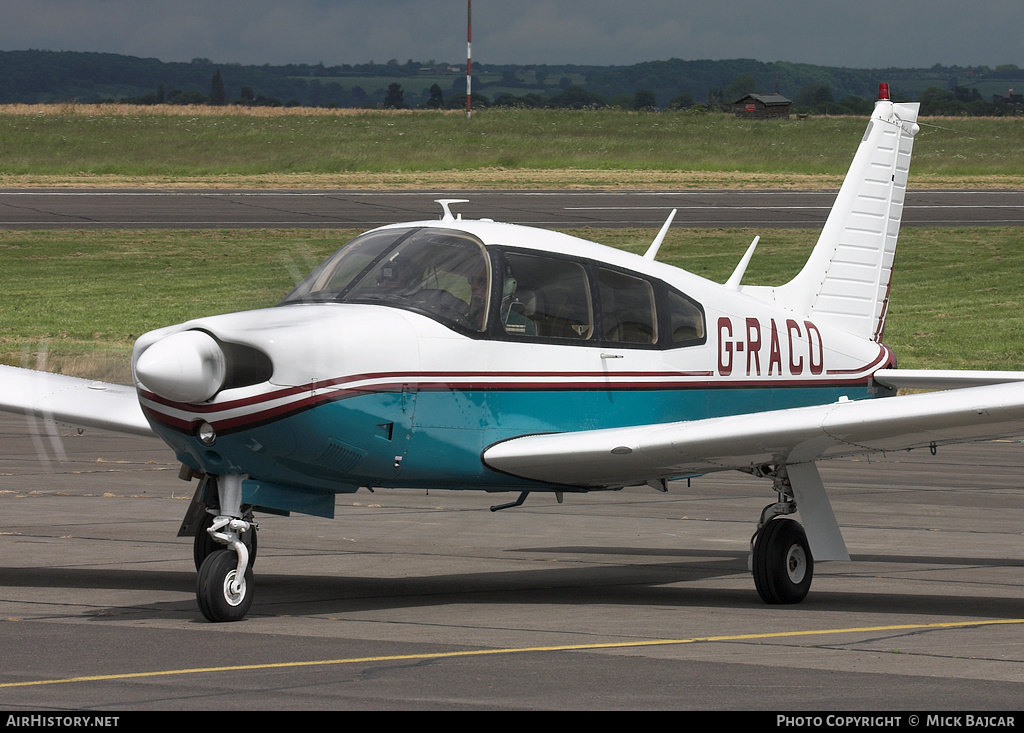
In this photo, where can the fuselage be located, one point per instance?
(397, 366)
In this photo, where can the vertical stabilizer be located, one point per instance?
(845, 282)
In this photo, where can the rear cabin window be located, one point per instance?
(686, 320)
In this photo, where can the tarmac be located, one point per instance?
(429, 601)
(204, 208)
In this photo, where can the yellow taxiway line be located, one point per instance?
(521, 650)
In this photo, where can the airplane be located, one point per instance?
(476, 355)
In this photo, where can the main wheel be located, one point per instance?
(213, 588)
(203, 545)
(783, 566)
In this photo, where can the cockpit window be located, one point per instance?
(333, 277)
(440, 272)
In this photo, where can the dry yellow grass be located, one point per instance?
(501, 179)
(193, 110)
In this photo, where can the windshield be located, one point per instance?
(440, 272)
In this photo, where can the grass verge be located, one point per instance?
(118, 145)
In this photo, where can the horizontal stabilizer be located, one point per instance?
(942, 378)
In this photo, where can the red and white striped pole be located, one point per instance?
(469, 55)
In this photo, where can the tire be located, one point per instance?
(215, 599)
(783, 566)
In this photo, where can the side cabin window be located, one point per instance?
(441, 273)
(552, 298)
(545, 297)
(628, 314)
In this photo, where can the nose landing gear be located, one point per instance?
(223, 556)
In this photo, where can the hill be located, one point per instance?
(31, 77)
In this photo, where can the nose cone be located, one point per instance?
(188, 366)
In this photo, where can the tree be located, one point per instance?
(436, 100)
(191, 96)
(682, 101)
(395, 97)
(577, 97)
(645, 99)
(816, 98)
(740, 87)
(217, 94)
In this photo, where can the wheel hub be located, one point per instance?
(234, 593)
(796, 563)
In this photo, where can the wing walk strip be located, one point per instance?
(522, 650)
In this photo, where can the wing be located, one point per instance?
(72, 400)
(633, 455)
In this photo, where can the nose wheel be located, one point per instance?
(782, 562)
(221, 593)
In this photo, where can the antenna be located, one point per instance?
(445, 204)
(652, 251)
(733, 283)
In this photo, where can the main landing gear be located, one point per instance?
(224, 550)
(782, 562)
(781, 559)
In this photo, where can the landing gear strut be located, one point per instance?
(204, 545)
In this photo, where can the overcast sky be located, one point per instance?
(854, 33)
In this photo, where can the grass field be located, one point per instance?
(502, 148)
(78, 299)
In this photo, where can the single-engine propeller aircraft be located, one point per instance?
(466, 354)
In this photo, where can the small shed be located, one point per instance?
(762, 106)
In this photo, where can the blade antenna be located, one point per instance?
(446, 204)
(652, 251)
(733, 283)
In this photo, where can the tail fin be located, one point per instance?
(845, 282)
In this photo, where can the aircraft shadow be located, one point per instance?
(672, 583)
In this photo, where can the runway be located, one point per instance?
(410, 600)
(92, 208)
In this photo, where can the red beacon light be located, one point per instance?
(883, 91)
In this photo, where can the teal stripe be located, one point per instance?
(435, 439)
